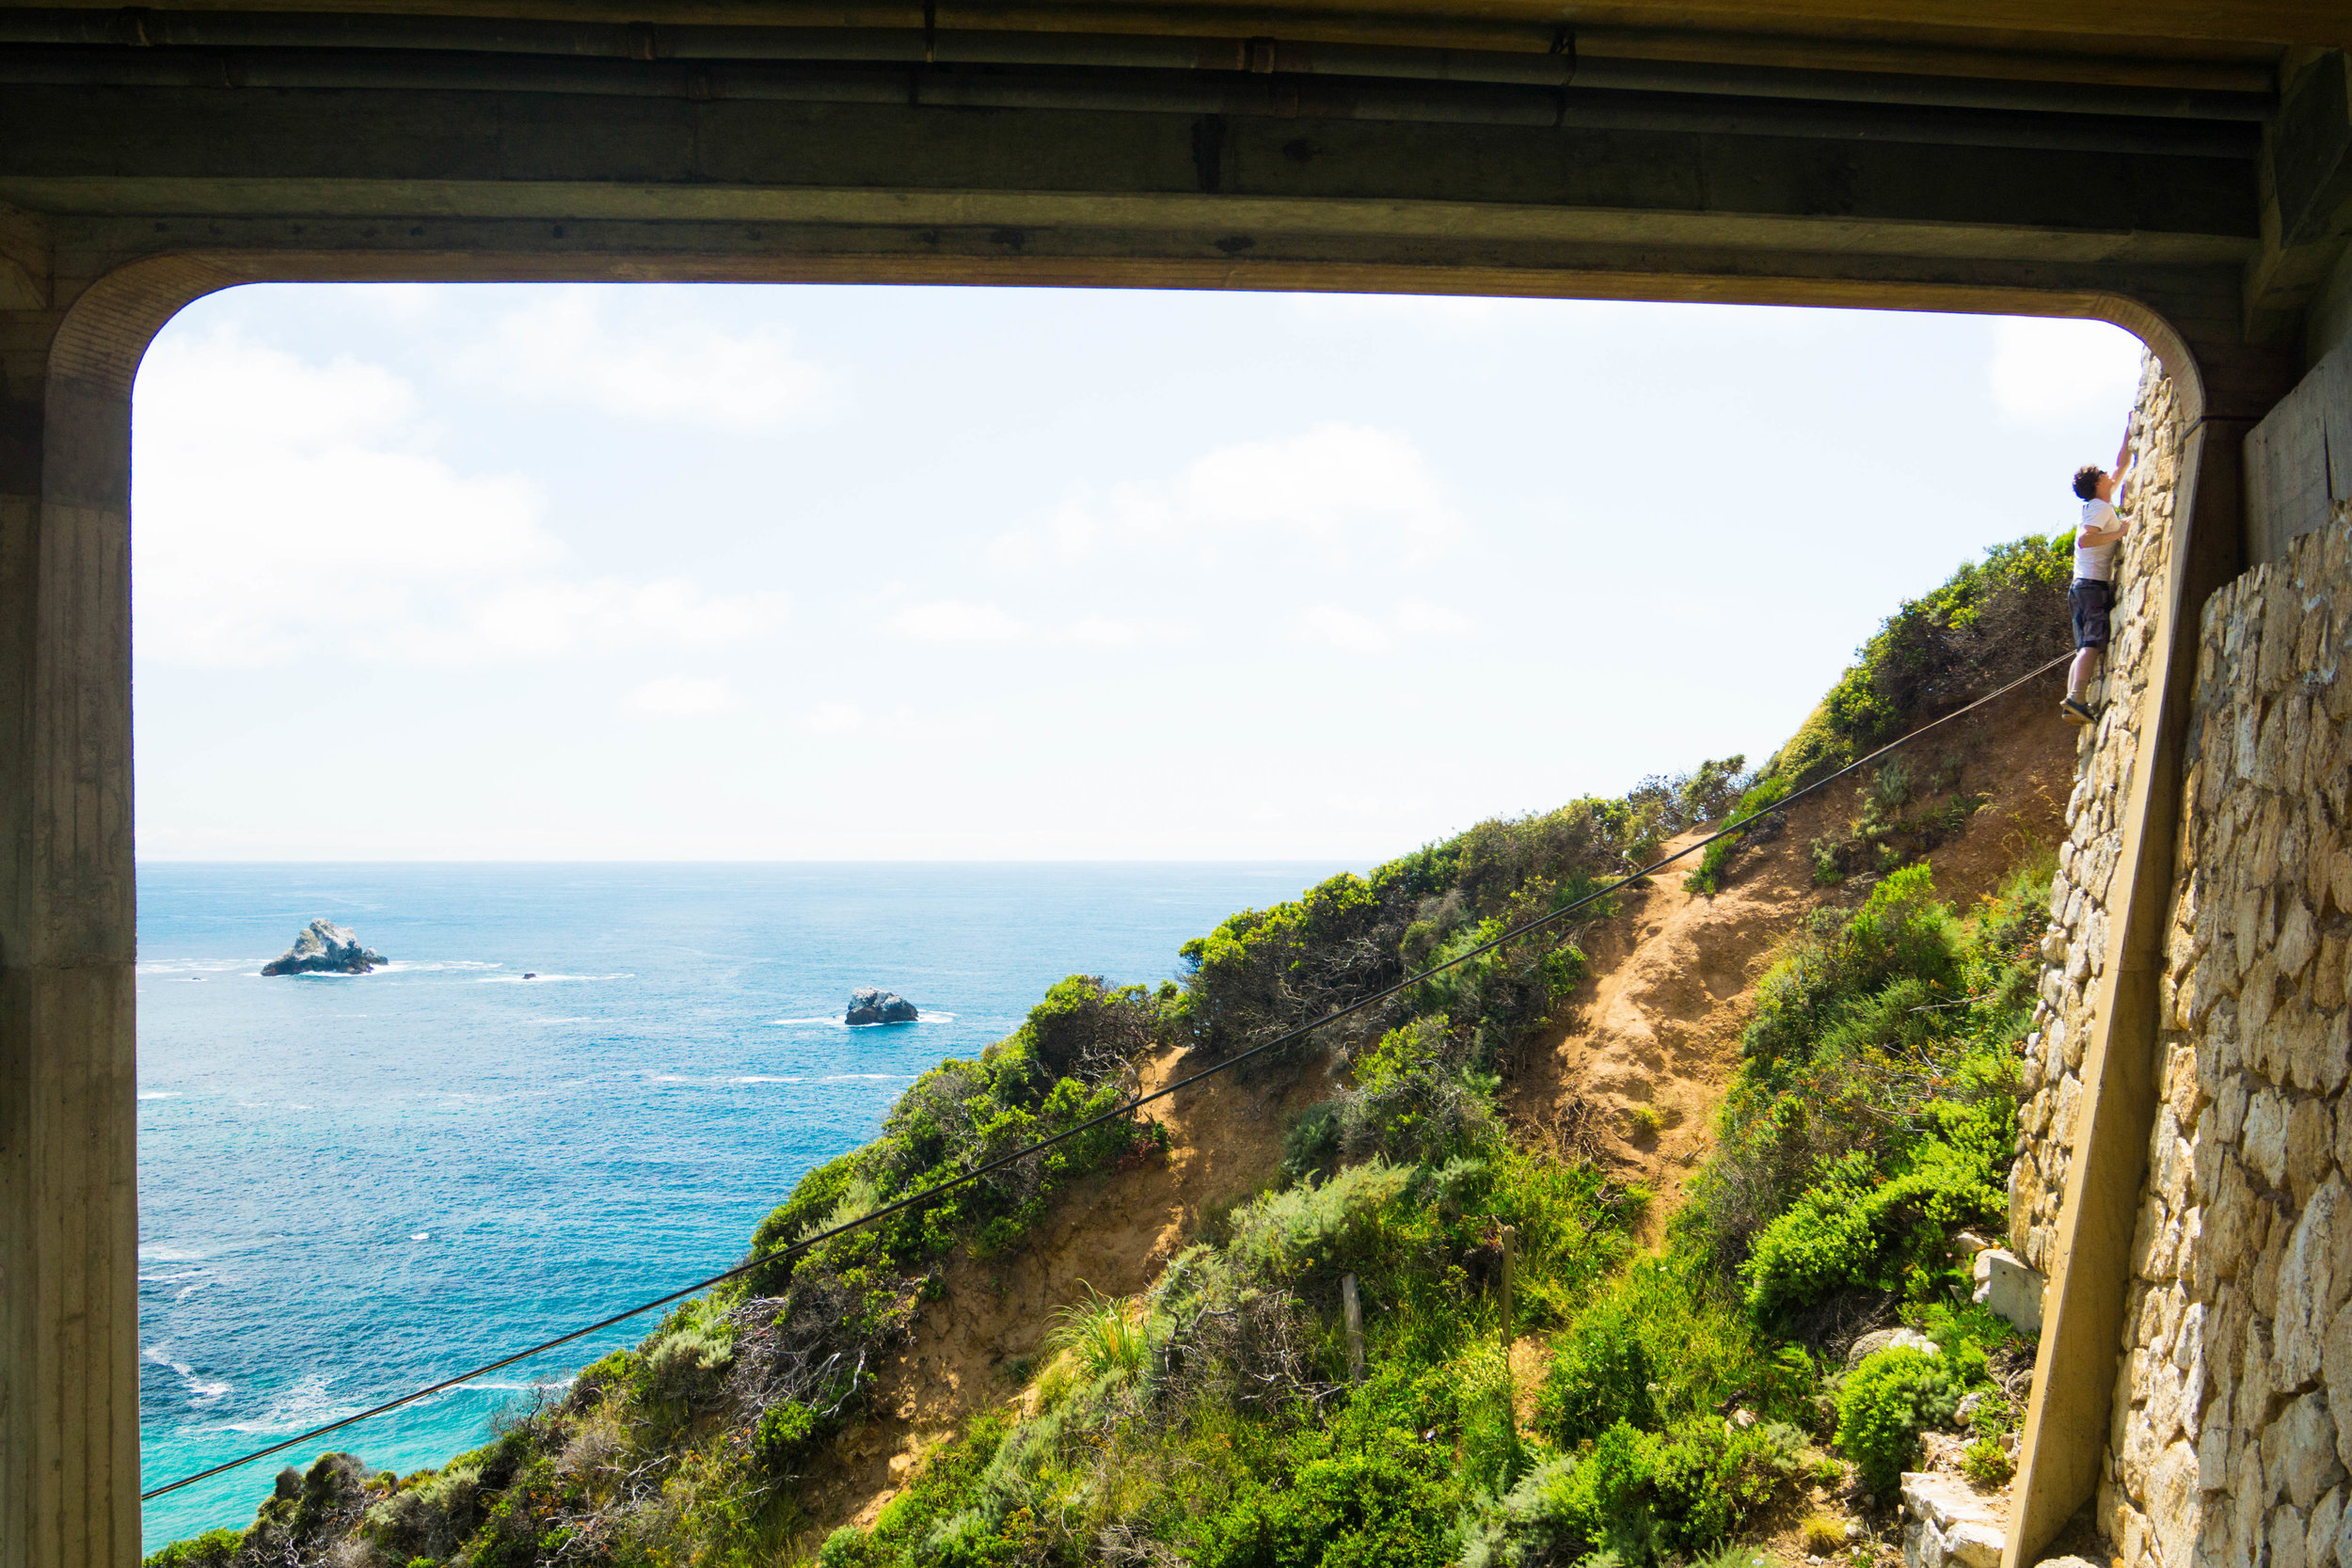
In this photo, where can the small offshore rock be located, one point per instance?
(868, 1006)
(323, 948)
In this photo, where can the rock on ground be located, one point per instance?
(323, 948)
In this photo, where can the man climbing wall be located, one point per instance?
(2090, 596)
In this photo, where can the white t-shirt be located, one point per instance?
(2097, 562)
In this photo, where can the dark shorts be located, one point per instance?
(2088, 600)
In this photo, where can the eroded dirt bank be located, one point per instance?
(1657, 1028)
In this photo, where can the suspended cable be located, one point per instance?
(927, 1194)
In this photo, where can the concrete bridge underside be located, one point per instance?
(2182, 169)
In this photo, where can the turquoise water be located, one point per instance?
(355, 1185)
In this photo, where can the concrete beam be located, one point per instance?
(2306, 194)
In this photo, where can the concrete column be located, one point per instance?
(69, 1204)
(2066, 1427)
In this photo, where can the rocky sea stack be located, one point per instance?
(868, 1006)
(326, 948)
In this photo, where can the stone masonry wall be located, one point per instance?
(2075, 945)
(2233, 1417)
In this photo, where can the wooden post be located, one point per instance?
(1510, 1378)
(1510, 1250)
(1352, 1308)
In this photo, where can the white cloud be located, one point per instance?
(1102, 631)
(1426, 311)
(1353, 632)
(1070, 534)
(2046, 370)
(1329, 483)
(1343, 629)
(548, 619)
(1419, 618)
(562, 347)
(286, 510)
(679, 697)
(836, 717)
(953, 620)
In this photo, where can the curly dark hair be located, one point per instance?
(2087, 480)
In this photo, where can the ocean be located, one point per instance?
(572, 1089)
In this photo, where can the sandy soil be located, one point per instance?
(1636, 1067)
(1658, 1026)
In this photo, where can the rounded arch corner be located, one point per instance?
(107, 329)
(2158, 334)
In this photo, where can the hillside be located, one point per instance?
(1724, 1124)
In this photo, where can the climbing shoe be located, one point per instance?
(2075, 713)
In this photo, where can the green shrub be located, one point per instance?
(1414, 1100)
(1715, 860)
(1600, 1375)
(214, 1548)
(1488, 1422)
(1896, 1394)
(1988, 622)
(1381, 1506)
(1986, 1463)
(1334, 1222)
(1856, 1231)
(782, 1433)
(1105, 1335)
(1538, 1521)
(1313, 1142)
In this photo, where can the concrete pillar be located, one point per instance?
(2225, 388)
(69, 1204)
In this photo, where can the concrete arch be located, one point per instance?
(69, 1456)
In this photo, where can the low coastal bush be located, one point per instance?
(1887, 1401)
(1990, 621)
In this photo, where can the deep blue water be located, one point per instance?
(351, 1186)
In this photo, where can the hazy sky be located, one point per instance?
(811, 572)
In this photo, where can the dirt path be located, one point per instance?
(1644, 1057)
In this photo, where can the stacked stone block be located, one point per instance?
(2075, 945)
(2231, 1436)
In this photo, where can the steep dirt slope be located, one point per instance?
(1112, 1232)
(1657, 1026)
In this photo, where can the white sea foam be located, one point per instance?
(172, 1278)
(421, 1236)
(162, 1094)
(834, 1021)
(762, 1078)
(864, 1078)
(304, 1405)
(581, 1019)
(201, 1390)
(542, 977)
(195, 966)
(156, 1252)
